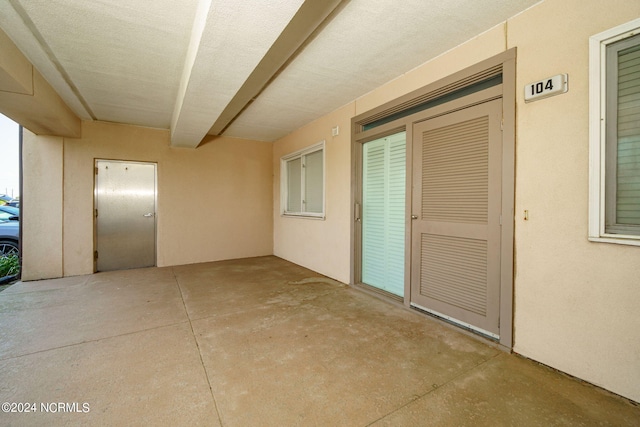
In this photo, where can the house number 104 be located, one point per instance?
(547, 87)
(538, 88)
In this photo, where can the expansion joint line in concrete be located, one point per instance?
(418, 397)
(73, 344)
(206, 374)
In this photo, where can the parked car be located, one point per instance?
(9, 230)
(8, 212)
(9, 237)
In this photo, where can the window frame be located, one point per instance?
(284, 182)
(598, 102)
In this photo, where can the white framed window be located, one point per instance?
(614, 135)
(302, 182)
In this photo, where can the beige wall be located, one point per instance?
(324, 246)
(41, 207)
(213, 203)
(576, 302)
(321, 245)
(479, 48)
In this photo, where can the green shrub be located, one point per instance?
(9, 265)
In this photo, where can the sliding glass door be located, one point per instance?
(383, 213)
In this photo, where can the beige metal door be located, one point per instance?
(455, 269)
(125, 202)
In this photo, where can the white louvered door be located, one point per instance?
(455, 269)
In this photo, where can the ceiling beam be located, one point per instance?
(27, 98)
(185, 132)
(204, 106)
(305, 24)
(16, 23)
(228, 41)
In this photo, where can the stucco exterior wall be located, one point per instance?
(324, 246)
(321, 245)
(41, 203)
(213, 203)
(576, 302)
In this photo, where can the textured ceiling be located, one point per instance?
(368, 44)
(181, 64)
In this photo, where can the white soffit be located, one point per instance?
(367, 44)
(125, 58)
(186, 65)
(12, 23)
(235, 37)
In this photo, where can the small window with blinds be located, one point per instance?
(615, 136)
(302, 182)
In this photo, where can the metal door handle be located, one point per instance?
(414, 216)
(148, 215)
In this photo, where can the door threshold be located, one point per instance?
(380, 292)
(457, 322)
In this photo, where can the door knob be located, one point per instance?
(148, 215)
(414, 216)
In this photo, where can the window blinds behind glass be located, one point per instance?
(628, 125)
(313, 182)
(294, 177)
(383, 216)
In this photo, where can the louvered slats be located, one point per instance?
(373, 222)
(455, 182)
(456, 232)
(454, 271)
(383, 214)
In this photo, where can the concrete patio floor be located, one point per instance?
(262, 342)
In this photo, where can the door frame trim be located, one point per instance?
(503, 63)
